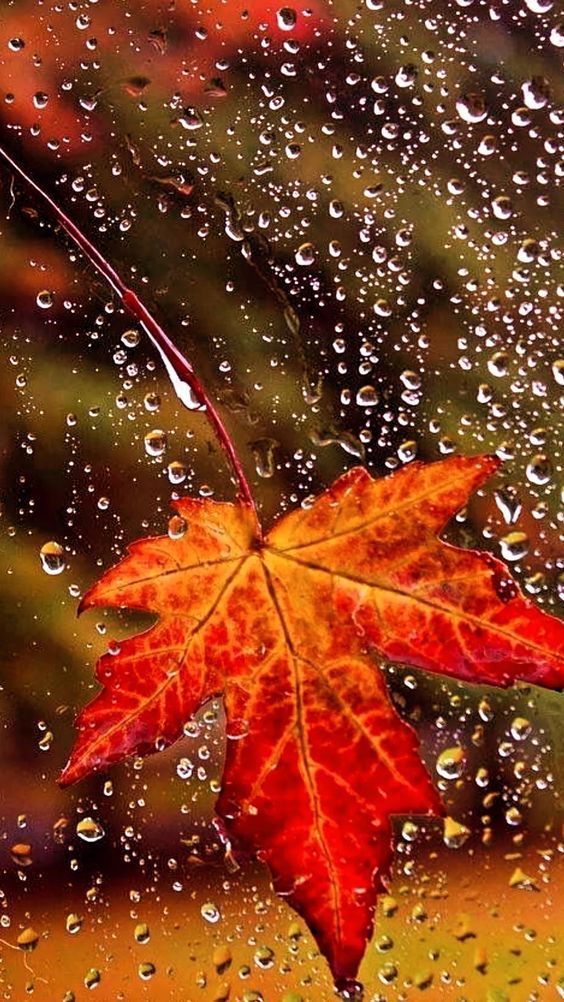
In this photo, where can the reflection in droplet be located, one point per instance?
(44, 299)
(210, 912)
(450, 762)
(286, 18)
(52, 557)
(155, 442)
(90, 830)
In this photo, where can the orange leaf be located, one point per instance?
(283, 629)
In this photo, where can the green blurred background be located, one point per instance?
(350, 227)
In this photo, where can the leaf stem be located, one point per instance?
(183, 377)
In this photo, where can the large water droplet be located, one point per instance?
(90, 830)
(471, 107)
(286, 18)
(450, 762)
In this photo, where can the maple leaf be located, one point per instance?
(285, 629)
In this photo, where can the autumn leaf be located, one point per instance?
(285, 628)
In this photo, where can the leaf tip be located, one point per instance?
(75, 770)
(65, 777)
(88, 600)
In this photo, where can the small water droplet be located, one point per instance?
(146, 970)
(185, 768)
(177, 472)
(306, 255)
(155, 442)
(52, 557)
(28, 939)
(263, 452)
(367, 396)
(92, 978)
(44, 299)
(520, 728)
(514, 546)
(455, 834)
(177, 527)
(130, 338)
(73, 923)
(210, 912)
(539, 469)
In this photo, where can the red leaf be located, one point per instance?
(283, 629)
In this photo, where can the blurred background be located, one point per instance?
(346, 216)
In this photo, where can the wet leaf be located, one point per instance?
(284, 628)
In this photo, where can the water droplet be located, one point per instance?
(306, 255)
(514, 546)
(185, 768)
(191, 120)
(264, 957)
(349, 989)
(382, 308)
(155, 442)
(539, 469)
(488, 145)
(539, 6)
(263, 451)
(450, 763)
(502, 207)
(286, 18)
(454, 833)
(508, 504)
(367, 396)
(498, 364)
(407, 451)
(406, 75)
(142, 932)
(44, 299)
(177, 527)
(177, 472)
(90, 830)
(73, 923)
(222, 959)
(92, 978)
(520, 880)
(151, 402)
(21, 853)
(536, 92)
(146, 970)
(558, 371)
(28, 939)
(472, 107)
(130, 338)
(52, 557)
(46, 741)
(520, 728)
(210, 912)
(409, 831)
(513, 816)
